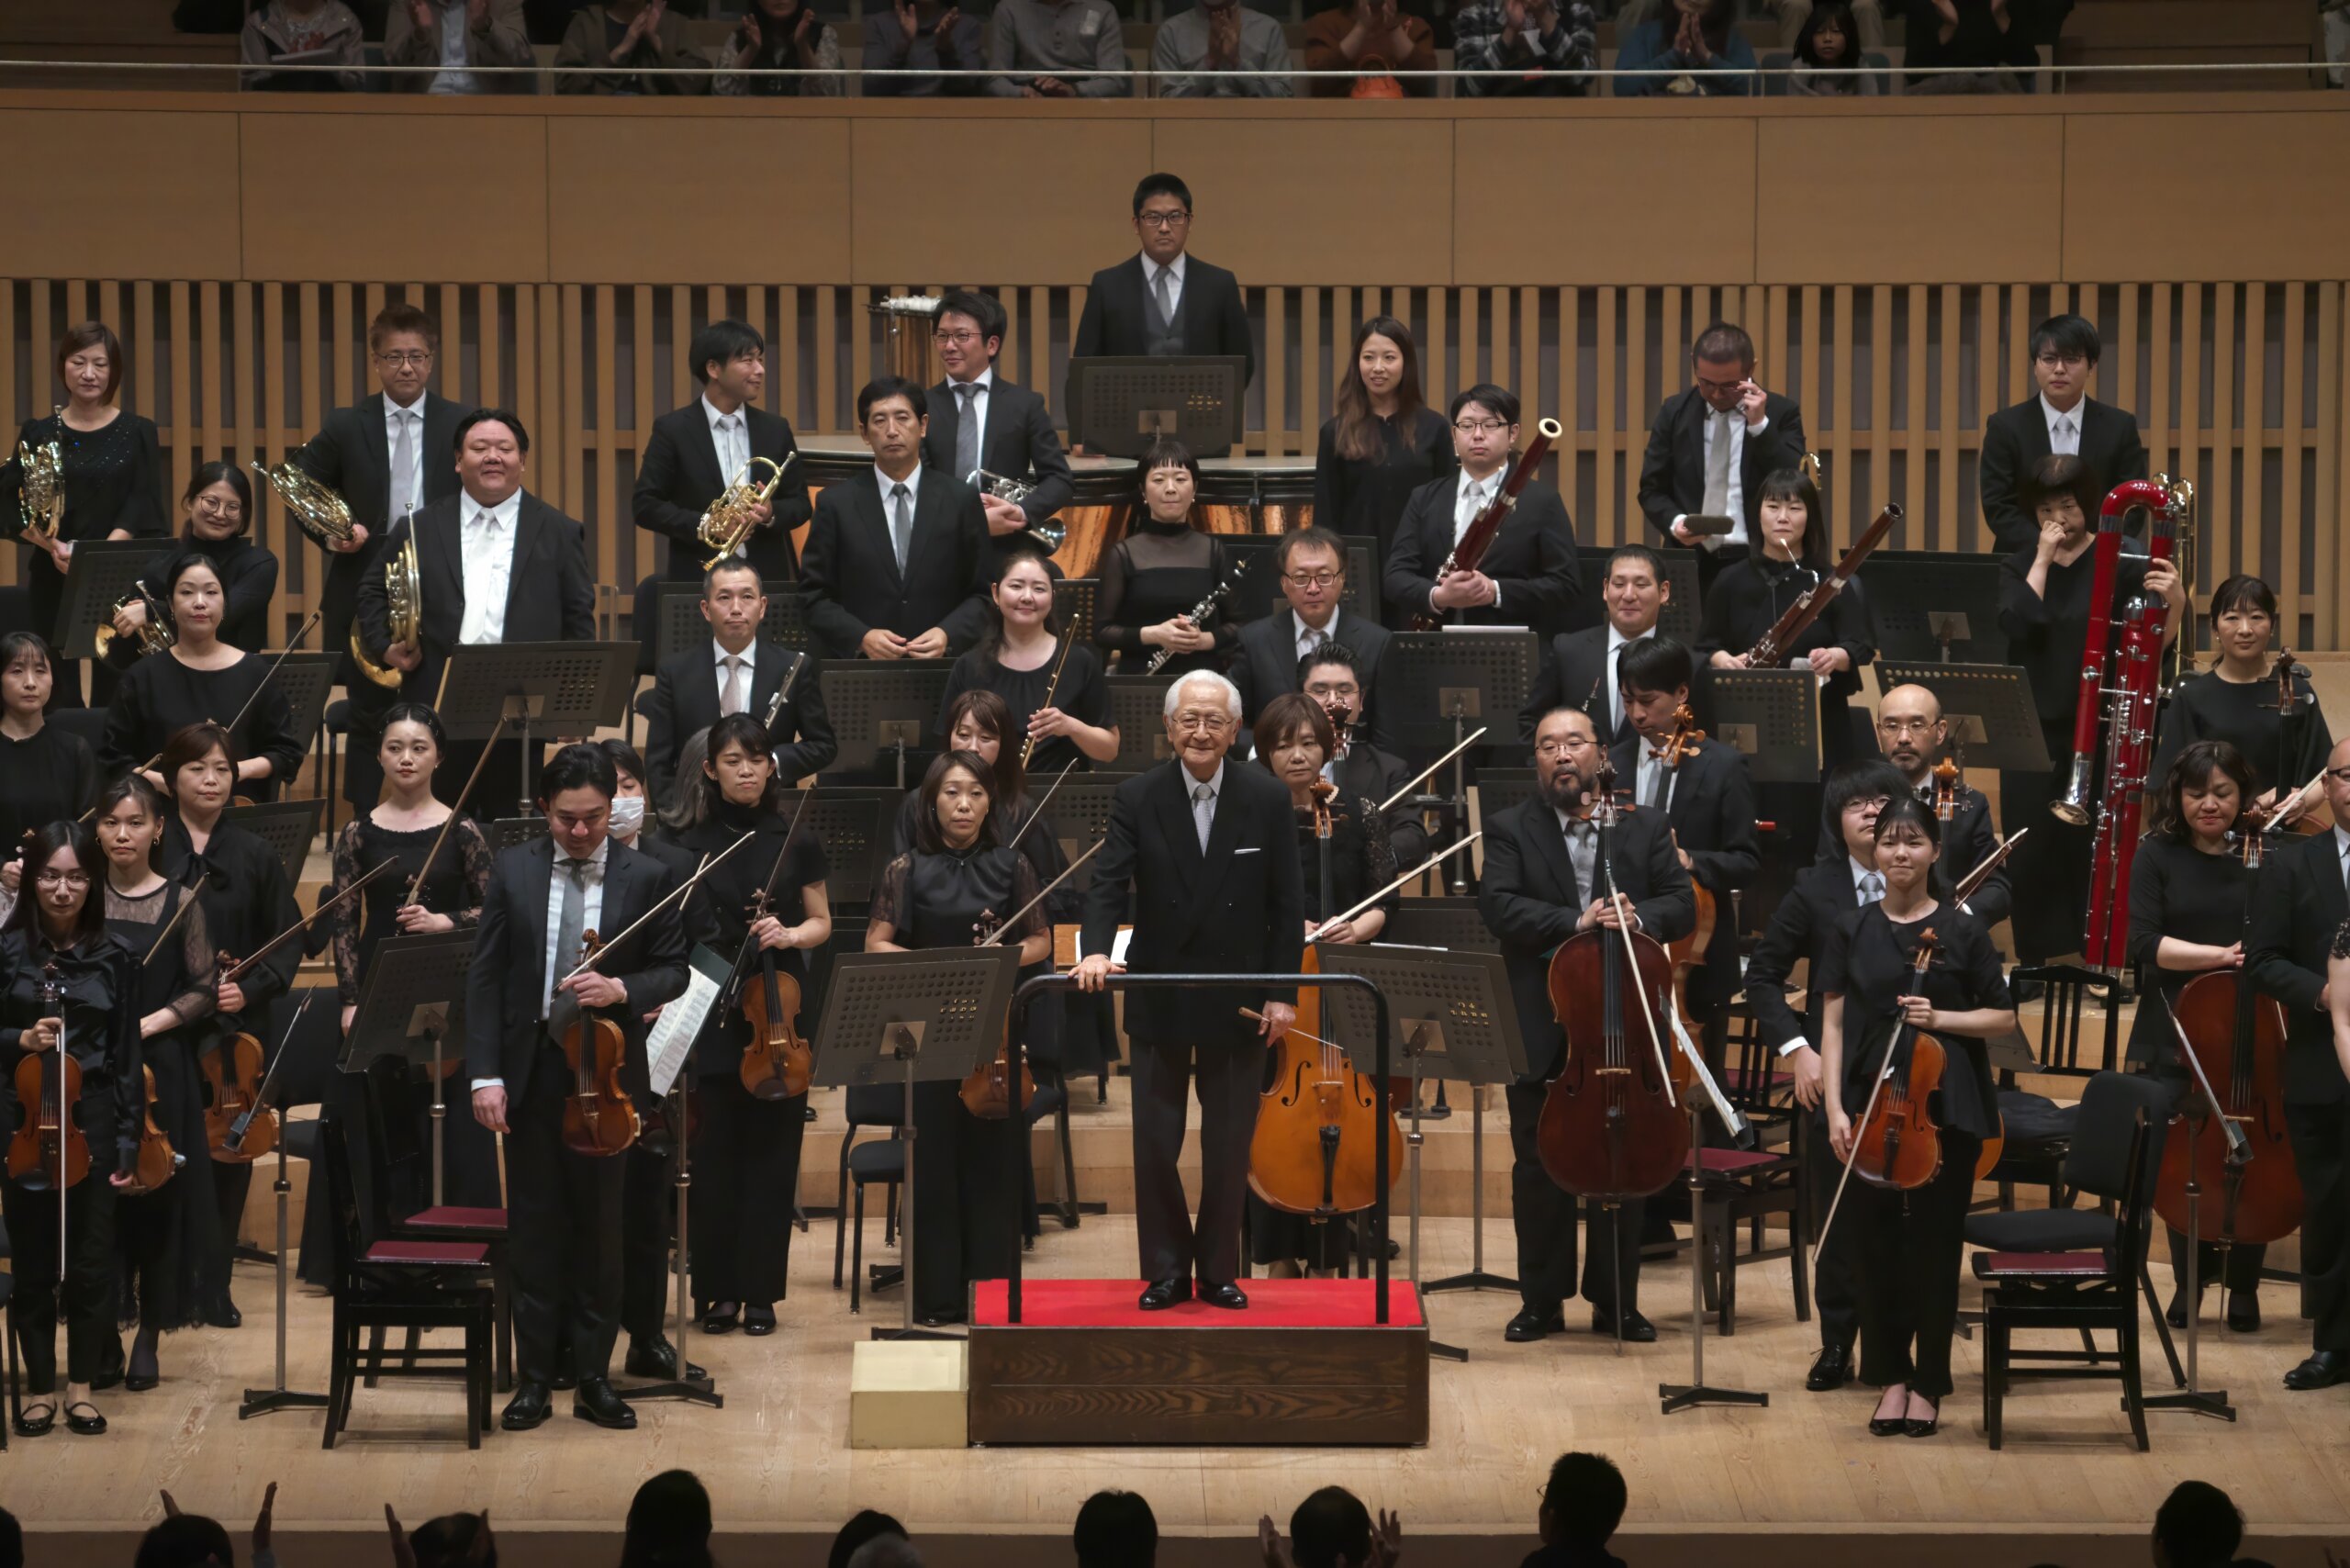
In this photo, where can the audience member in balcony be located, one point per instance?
(1828, 57)
(457, 35)
(1369, 34)
(922, 35)
(1216, 48)
(1698, 42)
(1034, 43)
(1553, 46)
(1868, 18)
(301, 32)
(633, 47)
(780, 35)
(1967, 46)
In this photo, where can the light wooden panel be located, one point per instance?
(1079, 220)
(1314, 212)
(2205, 196)
(120, 194)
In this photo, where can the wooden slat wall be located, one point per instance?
(2237, 385)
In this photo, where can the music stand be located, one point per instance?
(1989, 707)
(104, 571)
(1772, 716)
(1683, 612)
(1437, 685)
(1452, 1009)
(412, 999)
(1936, 604)
(307, 679)
(882, 709)
(678, 623)
(1138, 707)
(931, 1016)
(1120, 404)
(857, 828)
(507, 831)
(1079, 814)
(1076, 599)
(287, 827)
(569, 688)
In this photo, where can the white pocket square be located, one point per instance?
(1251, 851)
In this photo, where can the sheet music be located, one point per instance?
(666, 1046)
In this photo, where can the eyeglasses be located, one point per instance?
(1904, 726)
(2062, 361)
(1561, 748)
(62, 878)
(1163, 219)
(408, 356)
(2339, 775)
(1203, 723)
(1311, 580)
(1480, 427)
(958, 338)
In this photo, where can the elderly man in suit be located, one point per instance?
(738, 671)
(1208, 849)
(1165, 300)
(2060, 417)
(980, 421)
(1580, 671)
(1711, 447)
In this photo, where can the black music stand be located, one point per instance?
(1936, 604)
(1683, 612)
(857, 827)
(1456, 924)
(287, 827)
(882, 710)
(1437, 686)
(278, 1396)
(1989, 707)
(1138, 707)
(1120, 404)
(1079, 814)
(307, 679)
(411, 1003)
(568, 689)
(1772, 716)
(678, 622)
(506, 831)
(929, 1016)
(1077, 598)
(104, 571)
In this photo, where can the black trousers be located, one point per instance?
(1835, 1288)
(648, 1221)
(1545, 1216)
(232, 1182)
(968, 1177)
(88, 1287)
(2321, 1135)
(1228, 1071)
(1909, 1245)
(566, 1252)
(747, 1170)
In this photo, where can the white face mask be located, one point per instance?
(627, 815)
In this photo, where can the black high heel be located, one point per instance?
(1926, 1428)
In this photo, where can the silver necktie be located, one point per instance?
(733, 699)
(1164, 285)
(1204, 812)
(967, 432)
(571, 928)
(404, 467)
(901, 525)
(1872, 888)
(1718, 469)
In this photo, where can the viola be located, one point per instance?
(49, 1152)
(598, 1118)
(232, 1074)
(157, 1161)
(1950, 787)
(1898, 1144)
(2238, 1036)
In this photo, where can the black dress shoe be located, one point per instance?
(2323, 1370)
(2176, 1313)
(1637, 1330)
(595, 1401)
(1160, 1294)
(1829, 1371)
(528, 1409)
(721, 1318)
(144, 1372)
(37, 1426)
(1882, 1426)
(1229, 1297)
(658, 1359)
(1532, 1324)
(2244, 1313)
(939, 1319)
(89, 1426)
(758, 1319)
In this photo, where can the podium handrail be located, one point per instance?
(1382, 1156)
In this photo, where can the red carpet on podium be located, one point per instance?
(1273, 1304)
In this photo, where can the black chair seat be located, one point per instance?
(877, 1160)
(2035, 1119)
(2038, 1230)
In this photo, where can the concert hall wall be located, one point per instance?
(1888, 254)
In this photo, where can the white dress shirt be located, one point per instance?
(1734, 424)
(985, 382)
(488, 564)
(453, 76)
(1150, 271)
(393, 414)
(2064, 426)
(2342, 852)
(561, 964)
(750, 658)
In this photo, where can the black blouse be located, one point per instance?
(248, 574)
(113, 477)
(937, 901)
(159, 696)
(101, 1031)
(459, 882)
(1869, 963)
(246, 901)
(2206, 708)
(1747, 601)
(1159, 571)
(2177, 891)
(49, 776)
(1365, 496)
(718, 911)
(2046, 636)
(1082, 694)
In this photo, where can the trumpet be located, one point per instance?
(316, 510)
(403, 612)
(1048, 532)
(42, 492)
(727, 525)
(154, 634)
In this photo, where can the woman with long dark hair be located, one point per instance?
(1384, 442)
(1154, 578)
(2237, 699)
(1018, 657)
(217, 511)
(46, 773)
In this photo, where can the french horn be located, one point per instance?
(403, 613)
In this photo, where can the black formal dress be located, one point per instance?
(2015, 439)
(1082, 694)
(1532, 560)
(680, 476)
(2283, 753)
(102, 1034)
(966, 1168)
(1534, 891)
(687, 691)
(2045, 635)
(1271, 653)
(1672, 469)
(49, 776)
(1159, 571)
(1365, 497)
(1121, 317)
(159, 696)
(248, 574)
(112, 477)
(1908, 1244)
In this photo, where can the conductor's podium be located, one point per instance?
(1306, 1365)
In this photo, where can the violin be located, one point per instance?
(49, 1152)
(598, 1118)
(2238, 1038)
(1314, 1148)
(232, 1074)
(777, 1063)
(157, 1160)
(1898, 1144)
(986, 1093)
(1612, 1128)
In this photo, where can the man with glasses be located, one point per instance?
(1313, 566)
(1208, 849)
(2061, 419)
(980, 421)
(1710, 448)
(737, 671)
(1542, 883)
(1337, 678)
(1530, 575)
(1164, 301)
(1912, 733)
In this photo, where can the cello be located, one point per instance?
(777, 1063)
(2237, 1037)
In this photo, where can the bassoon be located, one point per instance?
(1469, 549)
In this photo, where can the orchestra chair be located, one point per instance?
(862, 1165)
(2037, 1129)
(1742, 1186)
(391, 1282)
(2082, 1289)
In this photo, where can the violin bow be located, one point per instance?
(1423, 774)
(995, 939)
(261, 686)
(1883, 1075)
(740, 977)
(680, 890)
(173, 924)
(455, 811)
(244, 1121)
(1422, 868)
(1972, 883)
(237, 970)
(1036, 812)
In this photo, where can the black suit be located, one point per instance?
(1672, 470)
(850, 574)
(567, 1233)
(1711, 810)
(1573, 674)
(1267, 664)
(678, 478)
(1210, 315)
(2297, 907)
(685, 702)
(1531, 900)
(1018, 442)
(352, 455)
(1366, 772)
(1239, 908)
(1532, 560)
(2015, 439)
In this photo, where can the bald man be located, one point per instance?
(1912, 733)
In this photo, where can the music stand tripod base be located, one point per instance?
(702, 1390)
(1675, 1398)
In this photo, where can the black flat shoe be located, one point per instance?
(31, 1425)
(90, 1426)
(758, 1320)
(721, 1318)
(2244, 1313)
(1879, 1426)
(2176, 1313)
(2323, 1370)
(1831, 1368)
(597, 1402)
(1533, 1323)
(658, 1359)
(1637, 1330)
(1227, 1296)
(530, 1408)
